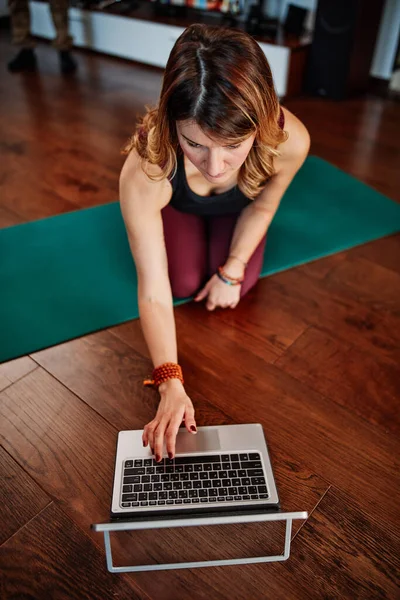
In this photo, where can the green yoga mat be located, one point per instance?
(73, 274)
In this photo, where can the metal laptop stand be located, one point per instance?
(195, 522)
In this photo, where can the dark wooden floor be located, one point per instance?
(311, 353)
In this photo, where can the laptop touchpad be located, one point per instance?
(202, 441)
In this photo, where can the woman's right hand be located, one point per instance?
(175, 406)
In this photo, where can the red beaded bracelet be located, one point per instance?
(235, 280)
(163, 373)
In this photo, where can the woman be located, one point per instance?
(204, 176)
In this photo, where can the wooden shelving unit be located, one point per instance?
(142, 35)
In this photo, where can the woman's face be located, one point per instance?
(215, 160)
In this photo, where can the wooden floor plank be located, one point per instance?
(337, 314)
(384, 252)
(359, 136)
(8, 218)
(71, 158)
(67, 449)
(29, 196)
(265, 332)
(356, 379)
(321, 267)
(20, 497)
(366, 282)
(342, 553)
(52, 558)
(45, 428)
(13, 370)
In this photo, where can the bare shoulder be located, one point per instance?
(136, 185)
(296, 147)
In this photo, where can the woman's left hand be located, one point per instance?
(219, 293)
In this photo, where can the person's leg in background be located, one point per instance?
(221, 230)
(186, 245)
(63, 40)
(21, 36)
(20, 17)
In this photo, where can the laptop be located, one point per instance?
(221, 469)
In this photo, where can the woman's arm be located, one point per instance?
(256, 218)
(141, 203)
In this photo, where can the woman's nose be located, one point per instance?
(215, 164)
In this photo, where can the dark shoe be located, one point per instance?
(67, 62)
(24, 61)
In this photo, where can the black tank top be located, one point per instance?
(232, 201)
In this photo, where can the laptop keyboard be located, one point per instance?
(193, 480)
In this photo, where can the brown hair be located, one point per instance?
(220, 79)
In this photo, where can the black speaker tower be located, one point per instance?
(343, 45)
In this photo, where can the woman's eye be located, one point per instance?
(193, 145)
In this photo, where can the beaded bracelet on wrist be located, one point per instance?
(227, 281)
(163, 373)
(223, 275)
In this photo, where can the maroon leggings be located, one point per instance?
(197, 246)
